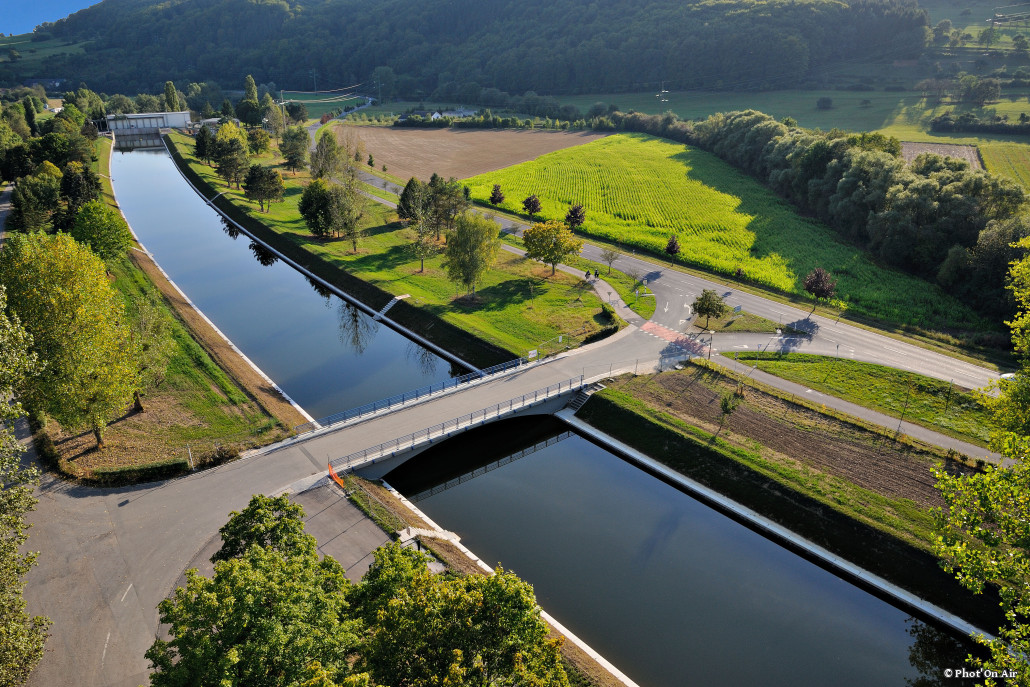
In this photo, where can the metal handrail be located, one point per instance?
(401, 399)
(445, 429)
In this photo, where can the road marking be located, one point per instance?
(894, 350)
(126, 592)
(104, 655)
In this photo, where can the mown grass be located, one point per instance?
(35, 54)
(925, 401)
(1007, 159)
(517, 305)
(742, 322)
(318, 104)
(639, 190)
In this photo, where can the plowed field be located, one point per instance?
(458, 153)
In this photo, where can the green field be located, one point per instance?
(638, 190)
(33, 55)
(929, 402)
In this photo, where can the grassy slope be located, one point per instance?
(638, 190)
(923, 400)
(519, 303)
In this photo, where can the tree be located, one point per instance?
(228, 111)
(263, 185)
(331, 209)
(204, 145)
(261, 620)
(294, 147)
(297, 112)
(496, 195)
(22, 637)
(575, 217)
(471, 249)
(33, 202)
(273, 523)
(316, 208)
(414, 201)
(79, 185)
(371, 161)
(475, 629)
(550, 242)
(30, 115)
(531, 205)
(448, 200)
(709, 304)
(171, 98)
(820, 284)
(151, 332)
(232, 161)
(102, 229)
(327, 158)
(609, 255)
(258, 141)
(672, 249)
(984, 527)
(60, 290)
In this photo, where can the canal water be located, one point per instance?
(325, 353)
(672, 592)
(669, 590)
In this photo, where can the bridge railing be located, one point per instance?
(446, 429)
(408, 396)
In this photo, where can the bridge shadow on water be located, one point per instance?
(470, 451)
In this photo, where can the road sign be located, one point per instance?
(531, 354)
(737, 309)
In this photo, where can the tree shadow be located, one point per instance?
(382, 261)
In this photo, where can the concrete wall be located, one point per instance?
(148, 120)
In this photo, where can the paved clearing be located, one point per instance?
(459, 153)
(909, 151)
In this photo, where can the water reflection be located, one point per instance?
(933, 651)
(424, 359)
(264, 256)
(230, 229)
(357, 330)
(320, 288)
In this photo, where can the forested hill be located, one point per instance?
(550, 46)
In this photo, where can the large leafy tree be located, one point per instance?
(102, 229)
(414, 200)
(264, 185)
(471, 249)
(472, 630)
(448, 199)
(984, 527)
(59, 289)
(273, 523)
(79, 185)
(708, 305)
(551, 242)
(232, 161)
(151, 332)
(21, 636)
(204, 144)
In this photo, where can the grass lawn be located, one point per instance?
(742, 322)
(318, 104)
(638, 190)
(35, 54)
(929, 402)
(517, 305)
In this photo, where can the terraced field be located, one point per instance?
(639, 190)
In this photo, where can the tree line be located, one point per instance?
(455, 50)
(935, 217)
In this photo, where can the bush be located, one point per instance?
(141, 473)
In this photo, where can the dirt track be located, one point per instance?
(458, 153)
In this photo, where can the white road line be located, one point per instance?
(894, 350)
(126, 592)
(104, 655)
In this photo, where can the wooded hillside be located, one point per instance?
(449, 49)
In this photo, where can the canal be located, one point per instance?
(671, 591)
(322, 351)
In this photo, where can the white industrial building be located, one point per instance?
(147, 122)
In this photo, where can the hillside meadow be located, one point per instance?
(639, 190)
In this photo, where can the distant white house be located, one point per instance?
(424, 114)
(147, 121)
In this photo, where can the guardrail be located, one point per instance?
(408, 396)
(446, 429)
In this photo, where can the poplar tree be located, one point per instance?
(171, 97)
(60, 290)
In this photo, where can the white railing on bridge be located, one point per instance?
(409, 396)
(460, 424)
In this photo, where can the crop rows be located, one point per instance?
(639, 190)
(1011, 160)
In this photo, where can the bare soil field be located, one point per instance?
(909, 151)
(457, 153)
(793, 432)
